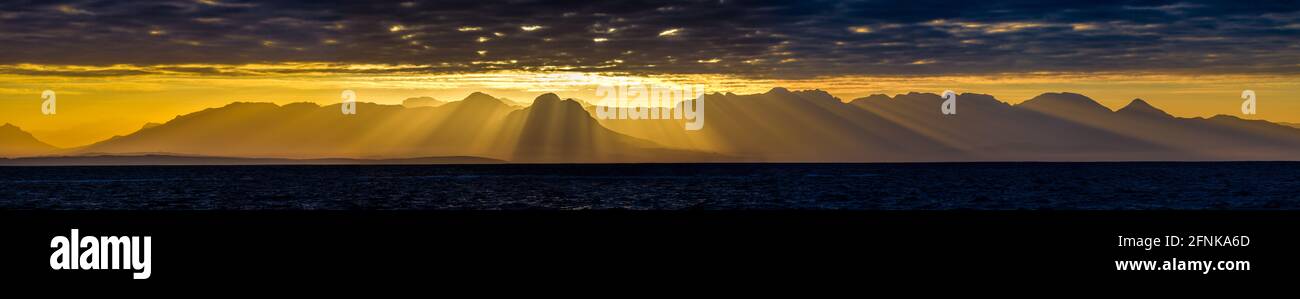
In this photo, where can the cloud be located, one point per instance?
(225, 4)
(812, 38)
(72, 10)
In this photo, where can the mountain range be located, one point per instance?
(813, 126)
(16, 142)
(777, 126)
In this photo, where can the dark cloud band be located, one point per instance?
(780, 39)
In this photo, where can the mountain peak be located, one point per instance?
(479, 98)
(16, 142)
(1140, 107)
(976, 96)
(872, 100)
(552, 102)
(879, 97)
(1063, 97)
(1225, 117)
(546, 99)
(302, 105)
(914, 97)
(817, 95)
(778, 90)
(425, 101)
(1066, 102)
(1138, 103)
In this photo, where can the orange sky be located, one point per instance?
(97, 102)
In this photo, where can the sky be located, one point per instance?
(117, 65)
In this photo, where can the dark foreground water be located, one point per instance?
(997, 186)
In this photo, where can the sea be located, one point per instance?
(877, 186)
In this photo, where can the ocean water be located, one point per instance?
(903, 186)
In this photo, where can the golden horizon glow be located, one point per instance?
(97, 102)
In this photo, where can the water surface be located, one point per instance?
(905, 186)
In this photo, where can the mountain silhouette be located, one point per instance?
(1065, 105)
(14, 142)
(811, 126)
(555, 130)
(781, 126)
(776, 126)
(480, 125)
(1140, 108)
(306, 130)
(422, 102)
(552, 129)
